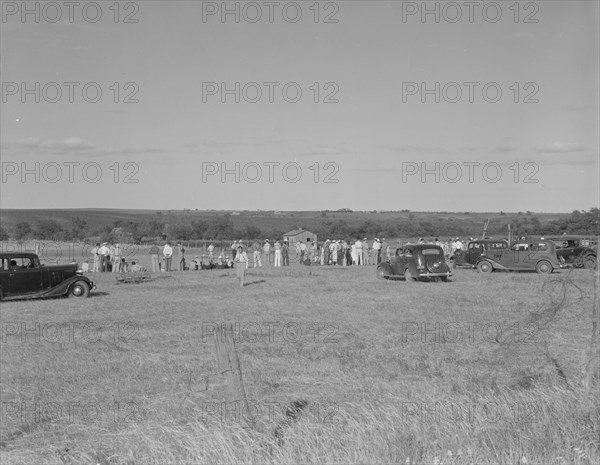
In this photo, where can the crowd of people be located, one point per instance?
(361, 252)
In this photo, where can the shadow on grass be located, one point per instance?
(260, 281)
(98, 294)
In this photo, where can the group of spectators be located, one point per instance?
(109, 257)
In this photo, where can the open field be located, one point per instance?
(393, 373)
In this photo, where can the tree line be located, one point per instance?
(223, 228)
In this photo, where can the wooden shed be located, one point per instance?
(298, 235)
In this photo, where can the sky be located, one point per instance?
(367, 105)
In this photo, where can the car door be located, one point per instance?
(25, 278)
(514, 257)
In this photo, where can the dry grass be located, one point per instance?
(379, 390)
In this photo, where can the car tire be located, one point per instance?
(485, 267)
(544, 267)
(80, 289)
(590, 262)
(408, 277)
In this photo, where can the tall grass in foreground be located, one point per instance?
(374, 397)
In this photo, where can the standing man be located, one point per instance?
(167, 256)
(96, 257)
(277, 247)
(285, 253)
(154, 250)
(118, 254)
(234, 247)
(181, 256)
(104, 251)
(377, 251)
(365, 257)
(303, 251)
(241, 264)
(359, 252)
(267, 252)
(256, 254)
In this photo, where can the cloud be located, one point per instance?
(69, 144)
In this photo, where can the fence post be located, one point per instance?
(229, 365)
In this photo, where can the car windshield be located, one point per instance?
(431, 251)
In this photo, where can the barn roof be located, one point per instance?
(295, 232)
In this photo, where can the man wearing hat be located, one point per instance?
(285, 253)
(365, 249)
(377, 250)
(267, 252)
(104, 252)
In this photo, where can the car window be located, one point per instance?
(540, 246)
(431, 252)
(520, 247)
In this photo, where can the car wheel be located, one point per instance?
(590, 262)
(80, 289)
(380, 273)
(408, 277)
(544, 267)
(485, 267)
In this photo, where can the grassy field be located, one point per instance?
(447, 373)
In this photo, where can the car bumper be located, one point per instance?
(434, 275)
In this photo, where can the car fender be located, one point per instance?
(65, 287)
(386, 268)
(495, 264)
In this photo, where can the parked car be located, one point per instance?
(22, 276)
(469, 256)
(416, 262)
(523, 255)
(578, 251)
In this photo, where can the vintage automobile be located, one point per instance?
(468, 257)
(416, 262)
(22, 276)
(523, 255)
(578, 251)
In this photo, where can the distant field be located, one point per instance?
(447, 373)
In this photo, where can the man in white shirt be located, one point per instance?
(103, 252)
(377, 250)
(118, 254)
(359, 252)
(167, 256)
(277, 247)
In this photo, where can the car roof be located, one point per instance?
(17, 254)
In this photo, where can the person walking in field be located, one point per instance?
(285, 253)
(118, 254)
(167, 256)
(241, 264)
(154, 250)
